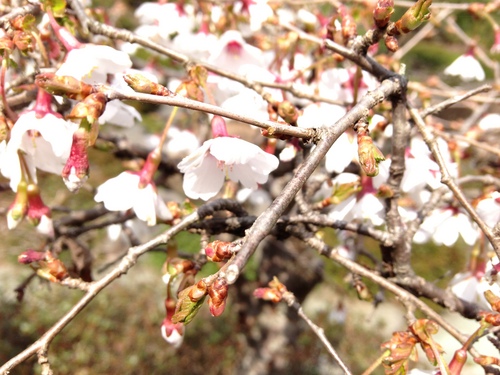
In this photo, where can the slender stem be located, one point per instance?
(272, 128)
(167, 126)
(318, 331)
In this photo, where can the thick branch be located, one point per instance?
(266, 221)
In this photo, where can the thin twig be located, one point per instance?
(272, 128)
(432, 110)
(290, 299)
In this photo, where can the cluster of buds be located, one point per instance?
(369, 154)
(342, 27)
(45, 265)
(218, 251)
(217, 292)
(402, 347)
(274, 293)
(21, 35)
(348, 25)
(141, 84)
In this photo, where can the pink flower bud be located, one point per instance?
(30, 256)
(382, 13)
(219, 128)
(76, 170)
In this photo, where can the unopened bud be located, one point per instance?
(30, 256)
(382, 13)
(413, 18)
(349, 28)
(37, 209)
(76, 169)
(274, 293)
(288, 112)
(144, 85)
(369, 154)
(18, 209)
(218, 125)
(493, 300)
(217, 251)
(218, 294)
(45, 265)
(391, 43)
(268, 294)
(64, 86)
(189, 303)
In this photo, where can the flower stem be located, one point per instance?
(167, 127)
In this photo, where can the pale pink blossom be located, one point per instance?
(44, 141)
(172, 333)
(445, 225)
(225, 157)
(488, 209)
(467, 68)
(92, 63)
(471, 285)
(362, 205)
(232, 52)
(181, 143)
(123, 192)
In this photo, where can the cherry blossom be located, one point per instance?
(471, 285)
(467, 68)
(489, 209)
(445, 225)
(206, 169)
(124, 192)
(361, 205)
(232, 52)
(92, 63)
(44, 141)
(87, 62)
